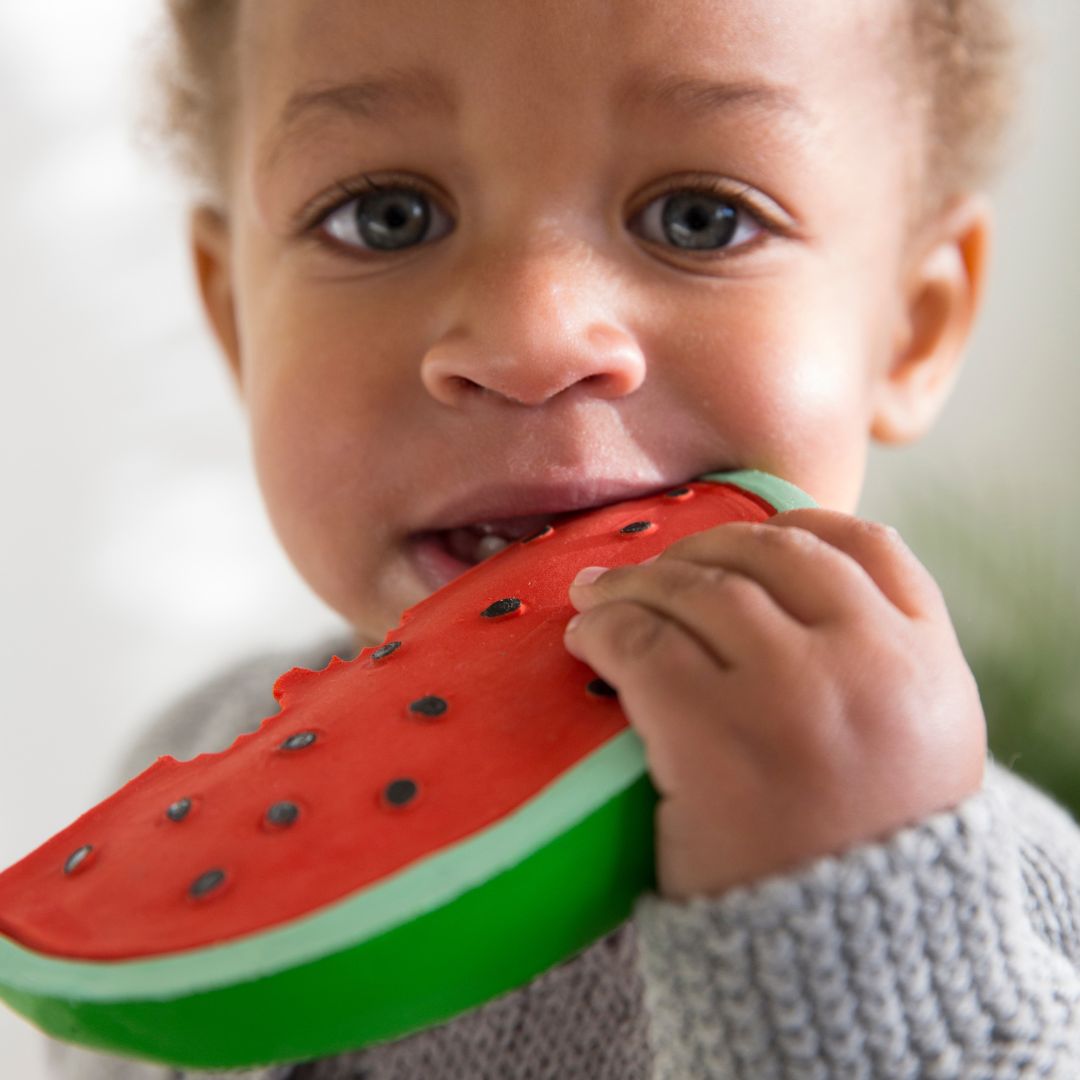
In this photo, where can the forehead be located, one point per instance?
(550, 32)
(816, 58)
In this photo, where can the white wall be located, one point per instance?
(135, 556)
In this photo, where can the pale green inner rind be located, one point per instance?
(778, 493)
(427, 885)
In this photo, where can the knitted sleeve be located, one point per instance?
(950, 950)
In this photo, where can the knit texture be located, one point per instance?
(916, 959)
(950, 949)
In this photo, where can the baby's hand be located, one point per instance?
(798, 687)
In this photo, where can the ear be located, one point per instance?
(209, 237)
(943, 284)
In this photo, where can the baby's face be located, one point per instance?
(606, 248)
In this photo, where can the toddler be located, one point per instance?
(477, 261)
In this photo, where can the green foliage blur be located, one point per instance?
(1002, 560)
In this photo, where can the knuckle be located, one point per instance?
(737, 590)
(897, 552)
(787, 538)
(677, 577)
(929, 586)
(714, 585)
(877, 532)
(632, 632)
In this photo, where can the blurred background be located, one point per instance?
(135, 558)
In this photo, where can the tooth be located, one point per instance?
(490, 545)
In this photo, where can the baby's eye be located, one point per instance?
(396, 216)
(700, 220)
(384, 219)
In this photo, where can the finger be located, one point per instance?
(880, 551)
(669, 687)
(808, 578)
(732, 617)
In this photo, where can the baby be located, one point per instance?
(638, 242)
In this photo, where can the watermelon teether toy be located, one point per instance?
(415, 832)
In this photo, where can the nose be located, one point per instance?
(531, 325)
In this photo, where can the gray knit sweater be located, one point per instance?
(951, 950)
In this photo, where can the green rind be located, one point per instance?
(307, 989)
(778, 493)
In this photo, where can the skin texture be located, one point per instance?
(550, 327)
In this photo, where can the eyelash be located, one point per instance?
(310, 219)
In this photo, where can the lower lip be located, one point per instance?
(434, 562)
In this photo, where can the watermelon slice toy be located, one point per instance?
(415, 832)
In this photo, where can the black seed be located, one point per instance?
(501, 607)
(429, 706)
(601, 688)
(299, 741)
(677, 493)
(545, 531)
(283, 813)
(205, 883)
(76, 858)
(400, 792)
(179, 809)
(385, 650)
(635, 527)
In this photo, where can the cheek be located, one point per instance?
(825, 414)
(316, 399)
(793, 363)
(787, 380)
(317, 469)
(312, 441)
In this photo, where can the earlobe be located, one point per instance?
(943, 289)
(209, 237)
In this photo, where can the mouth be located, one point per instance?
(471, 530)
(445, 554)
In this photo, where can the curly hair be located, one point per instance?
(956, 61)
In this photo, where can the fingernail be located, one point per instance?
(645, 562)
(572, 623)
(589, 575)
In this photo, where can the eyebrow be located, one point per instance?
(377, 100)
(699, 96)
(402, 91)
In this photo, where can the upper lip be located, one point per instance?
(502, 502)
